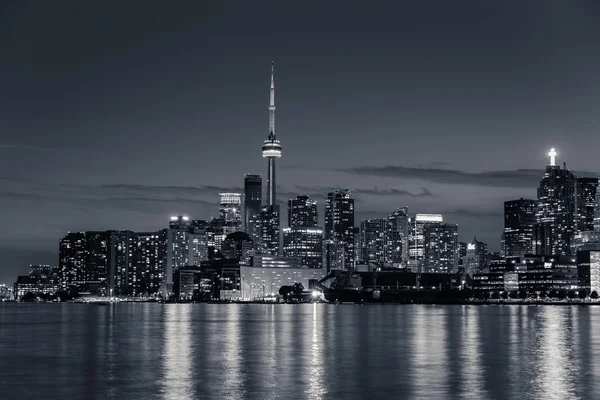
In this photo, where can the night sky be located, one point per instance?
(117, 114)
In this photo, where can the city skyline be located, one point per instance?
(83, 163)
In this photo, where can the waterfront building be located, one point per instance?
(477, 257)
(519, 222)
(306, 243)
(72, 259)
(397, 236)
(373, 240)
(261, 282)
(175, 243)
(441, 248)
(556, 215)
(339, 223)
(269, 261)
(417, 238)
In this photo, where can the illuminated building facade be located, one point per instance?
(396, 237)
(269, 230)
(339, 223)
(587, 188)
(72, 259)
(519, 222)
(306, 243)
(373, 240)
(441, 248)
(302, 212)
(556, 215)
(333, 255)
(261, 282)
(230, 211)
(477, 257)
(175, 243)
(252, 205)
(238, 246)
(417, 238)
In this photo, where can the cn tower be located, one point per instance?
(271, 149)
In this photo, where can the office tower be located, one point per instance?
(230, 210)
(120, 262)
(519, 223)
(269, 230)
(587, 188)
(252, 205)
(238, 246)
(333, 255)
(72, 259)
(372, 240)
(339, 223)
(477, 257)
(174, 249)
(441, 251)
(215, 234)
(306, 243)
(199, 241)
(556, 219)
(397, 233)
(302, 212)
(417, 237)
(597, 212)
(270, 216)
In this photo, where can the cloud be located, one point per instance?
(394, 192)
(520, 178)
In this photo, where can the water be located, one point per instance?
(309, 351)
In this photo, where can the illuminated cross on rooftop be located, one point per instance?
(552, 155)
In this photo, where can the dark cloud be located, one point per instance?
(394, 192)
(520, 178)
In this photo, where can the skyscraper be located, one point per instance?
(271, 150)
(441, 252)
(477, 257)
(397, 233)
(174, 249)
(519, 222)
(302, 212)
(230, 210)
(252, 205)
(417, 237)
(587, 188)
(372, 240)
(72, 259)
(556, 219)
(339, 223)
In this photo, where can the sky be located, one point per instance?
(116, 115)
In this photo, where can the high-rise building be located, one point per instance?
(333, 255)
(174, 249)
(270, 215)
(587, 188)
(519, 222)
(120, 261)
(417, 237)
(462, 257)
(339, 223)
(397, 233)
(306, 243)
(372, 240)
(477, 257)
(230, 210)
(252, 205)
(556, 216)
(441, 251)
(269, 230)
(146, 275)
(72, 259)
(302, 212)
(597, 212)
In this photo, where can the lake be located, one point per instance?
(303, 351)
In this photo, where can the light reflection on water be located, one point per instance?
(309, 351)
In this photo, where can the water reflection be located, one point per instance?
(557, 372)
(177, 382)
(315, 389)
(471, 364)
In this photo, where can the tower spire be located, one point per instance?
(272, 103)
